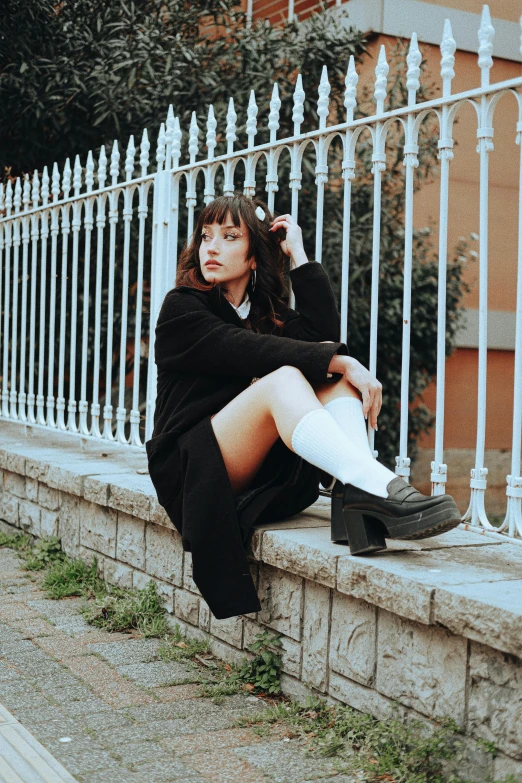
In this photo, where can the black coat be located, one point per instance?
(206, 357)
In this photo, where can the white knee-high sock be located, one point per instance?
(348, 413)
(319, 440)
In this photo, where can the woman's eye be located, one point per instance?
(234, 236)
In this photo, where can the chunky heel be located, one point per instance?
(365, 534)
(338, 528)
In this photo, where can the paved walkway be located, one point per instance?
(108, 709)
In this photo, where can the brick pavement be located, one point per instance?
(107, 708)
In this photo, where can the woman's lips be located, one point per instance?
(212, 263)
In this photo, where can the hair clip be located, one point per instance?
(260, 212)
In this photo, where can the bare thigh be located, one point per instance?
(245, 431)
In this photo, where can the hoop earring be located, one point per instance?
(253, 280)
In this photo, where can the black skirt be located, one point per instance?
(215, 524)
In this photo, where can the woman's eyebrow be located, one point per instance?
(209, 225)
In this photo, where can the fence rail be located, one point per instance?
(66, 252)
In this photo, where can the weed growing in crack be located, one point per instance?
(45, 552)
(72, 576)
(19, 541)
(124, 610)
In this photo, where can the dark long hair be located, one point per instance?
(267, 299)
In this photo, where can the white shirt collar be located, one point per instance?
(244, 308)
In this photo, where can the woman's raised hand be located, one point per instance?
(292, 245)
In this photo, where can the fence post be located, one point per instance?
(158, 269)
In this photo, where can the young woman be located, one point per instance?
(258, 403)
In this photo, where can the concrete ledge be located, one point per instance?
(434, 626)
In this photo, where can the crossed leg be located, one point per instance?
(247, 428)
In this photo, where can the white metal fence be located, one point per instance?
(58, 255)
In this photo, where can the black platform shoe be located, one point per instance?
(363, 520)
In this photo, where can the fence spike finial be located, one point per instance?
(211, 131)
(273, 117)
(55, 184)
(77, 179)
(486, 34)
(9, 197)
(2, 197)
(45, 186)
(102, 167)
(66, 179)
(27, 192)
(324, 92)
(115, 162)
(129, 159)
(35, 195)
(251, 125)
(414, 60)
(176, 144)
(381, 74)
(169, 136)
(231, 126)
(298, 112)
(160, 148)
(350, 94)
(447, 50)
(17, 201)
(193, 137)
(144, 152)
(89, 172)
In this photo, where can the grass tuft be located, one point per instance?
(125, 610)
(18, 541)
(72, 576)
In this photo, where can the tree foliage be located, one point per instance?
(76, 74)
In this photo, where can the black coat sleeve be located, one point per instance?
(316, 316)
(191, 338)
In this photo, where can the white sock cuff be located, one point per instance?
(344, 401)
(303, 422)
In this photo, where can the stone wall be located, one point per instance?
(433, 626)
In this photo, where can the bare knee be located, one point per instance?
(330, 391)
(286, 375)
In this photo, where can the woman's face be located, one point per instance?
(223, 252)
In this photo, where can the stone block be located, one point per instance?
(229, 630)
(188, 582)
(503, 766)
(48, 497)
(116, 573)
(308, 552)
(224, 651)
(98, 528)
(66, 479)
(316, 621)
(158, 515)
(70, 523)
(281, 596)
(491, 615)
(29, 517)
(362, 698)
(96, 489)
(164, 554)
(352, 638)
(14, 483)
(470, 763)
(290, 651)
(49, 522)
(131, 494)
(130, 546)
(166, 591)
(422, 667)
(495, 698)
(204, 616)
(186, 606)
(31, 489)
(35, 468)
(9, 508)
(13, 462)
(296, 689)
